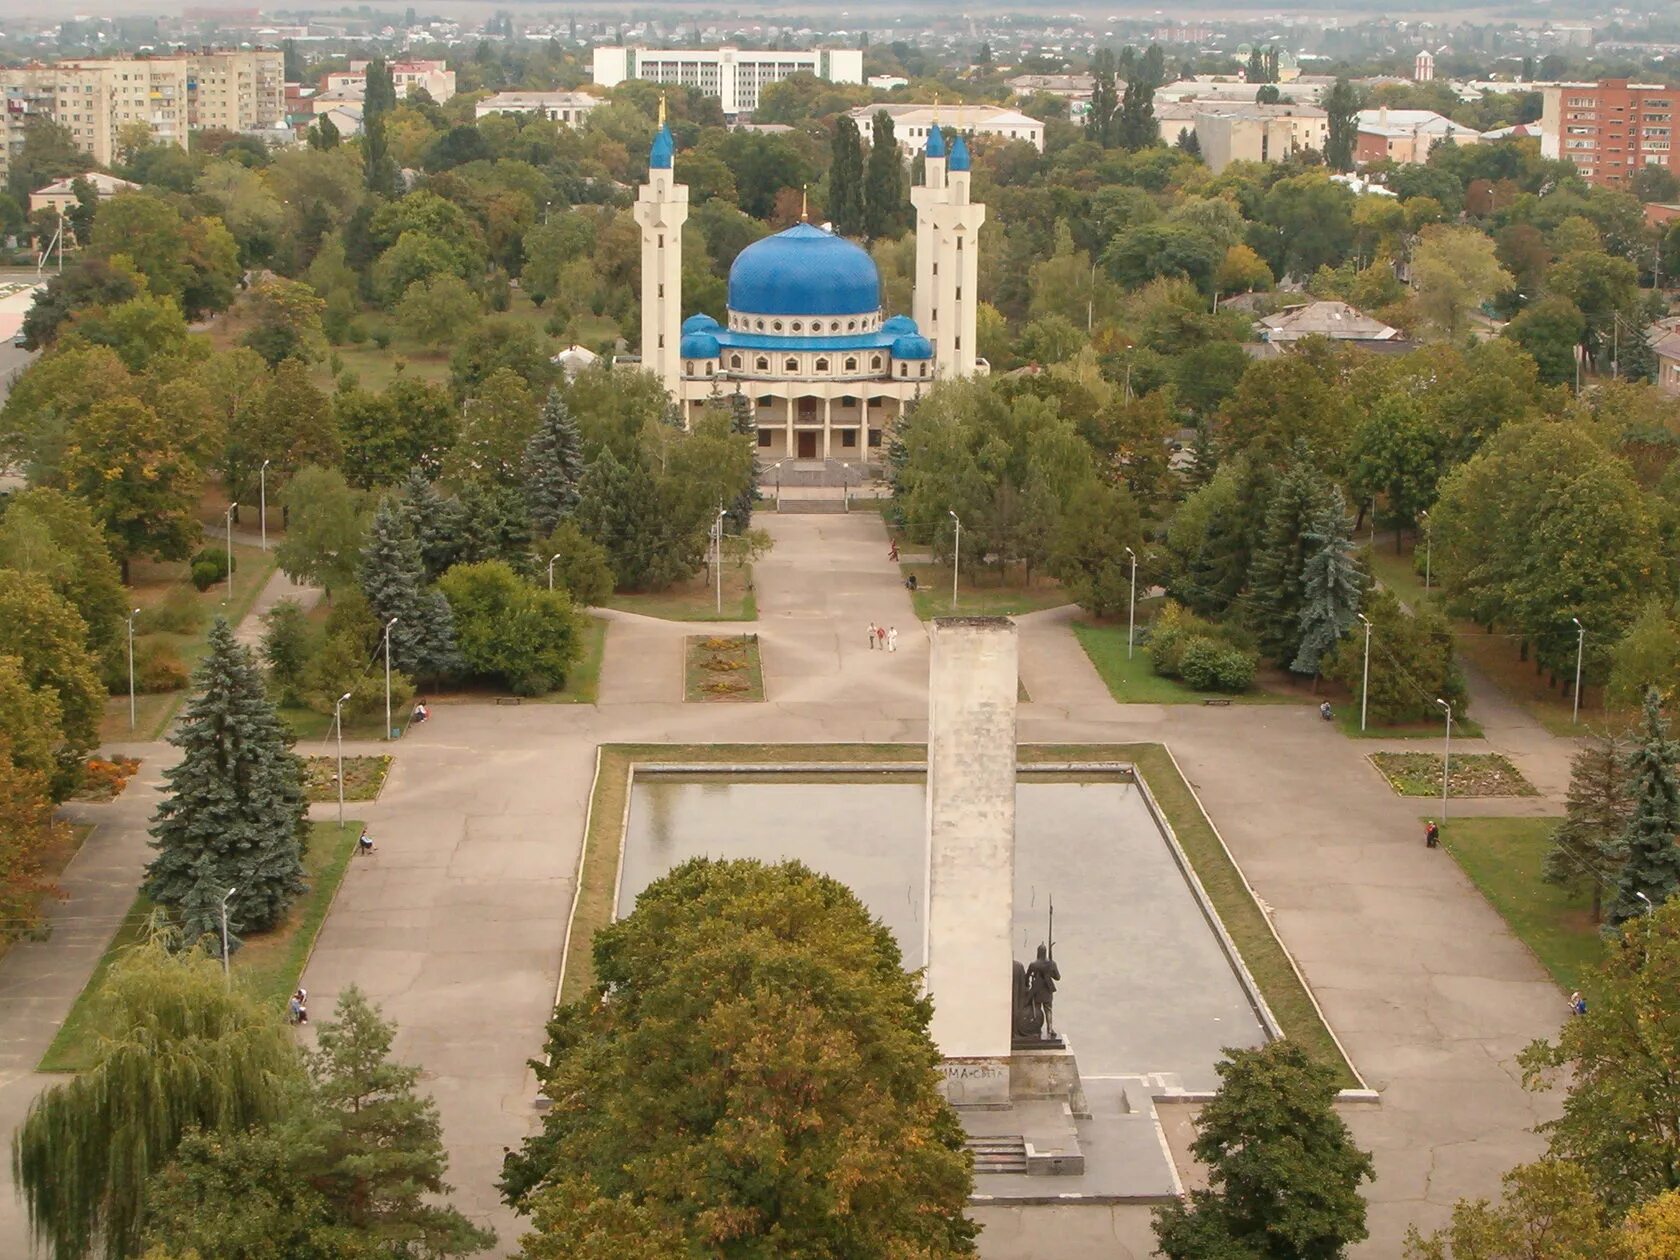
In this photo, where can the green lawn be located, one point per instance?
(1504, 857)
(1395, 571)
(1133, 681)
(722, 668)
(696, 599)
(991, 595)
(269, 965)
(1347, 718)
(583, 684)
(1247, 924)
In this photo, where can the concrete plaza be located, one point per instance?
(455, 925)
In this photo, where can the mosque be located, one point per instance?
(806, 338)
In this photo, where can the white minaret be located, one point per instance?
(947, 256)
(1423, 68)
(662, 209)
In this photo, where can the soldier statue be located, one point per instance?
(1042, 974)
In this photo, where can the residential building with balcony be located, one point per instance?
(1610, 129)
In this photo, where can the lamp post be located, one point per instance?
(338, 729)
(231, 509)
(1131, 607)
(388, 727)
(1365, 677)
(846, 484)
(777, 469)
(1580, 647)
(1446, 757)
(262, 501)
(227, 977)
(551, 561)
(1428, 545)
(1650, 907)
(131, 617)
(956, 558)
(717, 555)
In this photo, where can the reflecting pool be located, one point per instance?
(1146, 986)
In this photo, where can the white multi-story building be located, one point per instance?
(734, 75)
(435, 76)
(914, 124)
(95, 99)
(570, 108)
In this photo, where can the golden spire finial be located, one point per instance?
(804, 203)
(662, 109)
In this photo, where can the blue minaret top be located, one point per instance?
(959, 154)
(935, 142)
(663, 149)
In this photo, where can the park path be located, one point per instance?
(279, 587)
(454, 926)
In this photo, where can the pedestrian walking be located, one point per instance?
(364, 842)
(892, 551)
(872, 629)
(881, 637)
(892, 639)
(1431, 835)
(1577, 1003)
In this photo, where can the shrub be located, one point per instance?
(382, 338)
(1174, 627)
(158, 668)
(1210, 665)
(210, 566)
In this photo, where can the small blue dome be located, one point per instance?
(698, 345)
(959, 155)
(664, 148)
(898, 325)
(912, 346)
(935, 142)
(804, 271)
(699, 323)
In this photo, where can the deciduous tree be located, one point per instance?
(137, 477)
(508, 630)
(327, 522)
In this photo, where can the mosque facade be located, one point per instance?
(805, 336)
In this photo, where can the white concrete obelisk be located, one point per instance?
(971, 852)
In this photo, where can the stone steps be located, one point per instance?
(790, 505)
(999, 1153)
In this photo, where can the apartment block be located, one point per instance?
(1609, 129)
(95, 99)
(733, 75)
(434, 76)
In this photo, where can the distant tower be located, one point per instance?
(1423, 69)
(947, 255)
(661, 209)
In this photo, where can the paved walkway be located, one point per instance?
(454, 926)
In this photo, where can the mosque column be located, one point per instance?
(789, 408)
(827, 431)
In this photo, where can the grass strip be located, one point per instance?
(1261, 950)
(1505, 859)
(268, 964)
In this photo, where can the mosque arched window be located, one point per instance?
(763, 364)
(761, 325)
(822, 365)
(734, 360)
(775, 325)
(851, 325)
(797, 326)
(851, 365)
(875, 363)
(924, 369)
(790, 365)
(904, 369)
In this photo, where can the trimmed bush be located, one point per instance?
(210, 566)
(1210, 665)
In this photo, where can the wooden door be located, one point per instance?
(807, 445)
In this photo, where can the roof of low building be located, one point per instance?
(1336, 320)
(103, 184)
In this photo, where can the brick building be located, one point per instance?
(1609, 129)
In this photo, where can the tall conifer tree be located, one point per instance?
(235, 815)
(1331, 587)
(1651, 873)
(884, 182)
(553, 464)
(393, 579)
(845, 178)
(1277, 576)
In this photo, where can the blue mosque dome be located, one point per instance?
(663, 149)
(935, 142)
(699, 345)
(804, 271)
(912, 346)
(699, 323)
(898, 325)
(959, 155)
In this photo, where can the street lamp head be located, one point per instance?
(1131, 553)
(266, 463)
(555, 556)
(1649, 907)
(1443, 704)
(345, 696)
(1365, 619)
(391, 622)
(1578, 624)
(953, 515)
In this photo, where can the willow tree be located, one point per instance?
(181, 1051)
